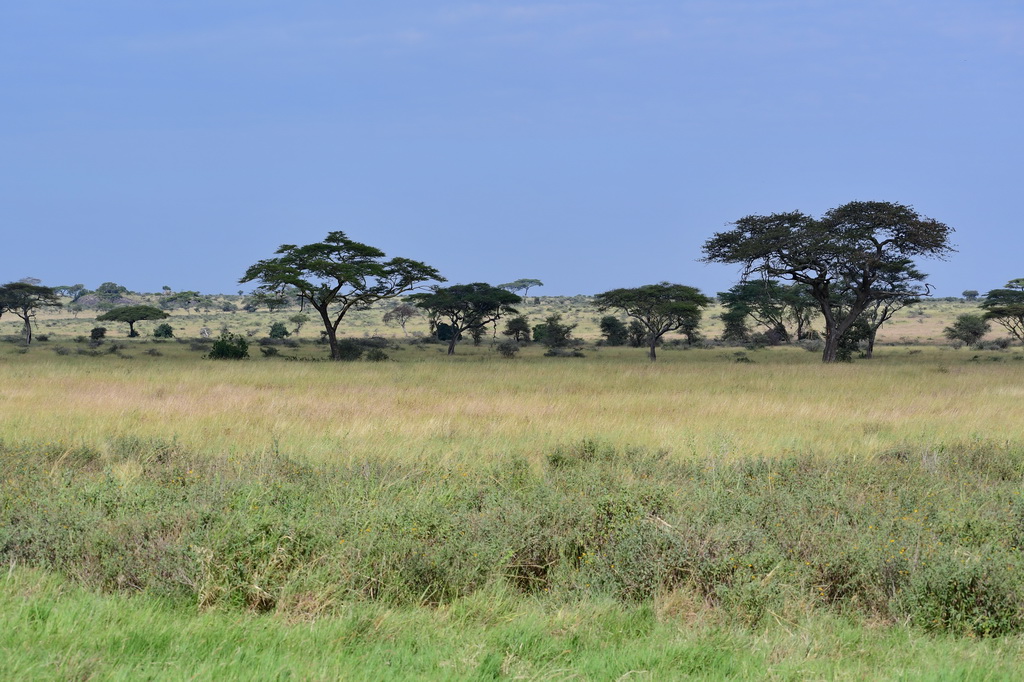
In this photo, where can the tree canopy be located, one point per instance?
(848, 259)
(524, 285)
(1006, 307)
(24, 299)
(466, 307)
(132, 314)
(335, 276)
(659, 308)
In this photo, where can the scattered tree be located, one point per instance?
(337, 275)
(23, 299)
(968, 328)
(518, 328)
(298, 320)
(553, 333)
(614, 331)
(841, 258)
(971, 295)
(400, 315)
(278, 330)
(466, 307)
(658, 308)
(523, 285)
(1006, 307)
(132, 314)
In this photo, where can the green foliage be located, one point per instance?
(553, 333)
(377, 355)
(971, 295)
(968, 329)
(229, 347)
(518, 328)
(278, 330)
(349, 350)
(97, 333)
(613, 331)
(164, 331)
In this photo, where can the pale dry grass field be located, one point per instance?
(467, 409)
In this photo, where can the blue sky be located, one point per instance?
(591, 145)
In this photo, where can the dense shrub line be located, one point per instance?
(928, 536)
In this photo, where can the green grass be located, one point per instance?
(54, 630)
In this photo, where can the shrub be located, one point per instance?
(229, 347)
(97, 333)
(164, 331)
(376, 355)
(279, 331)
(269, 351)
(507, 348)
(349, 350)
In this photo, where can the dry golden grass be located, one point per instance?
(466, 409)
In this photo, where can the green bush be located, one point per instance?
(377, 355)
(278, 331)
(97, 333)
(229, 347)
(163, 331)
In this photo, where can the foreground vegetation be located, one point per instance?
(727, 512)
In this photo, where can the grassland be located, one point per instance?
(541, 518)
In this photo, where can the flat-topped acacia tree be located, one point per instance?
(467, 307)
(658, 308)
(337, 275)
(857, 254)
(24, 299)
(132, 314)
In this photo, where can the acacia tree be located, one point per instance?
(335, 276)
(24, 299)
(658, 308)
(400, 315)
(524, 285)
(842, 258)
(1006, 307)
(132, 314)
(466, 307)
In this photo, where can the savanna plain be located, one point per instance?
(724, 512)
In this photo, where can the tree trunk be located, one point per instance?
(869, 352)
(831, 351)
(27, 331)
(652, 355)
(451, 343)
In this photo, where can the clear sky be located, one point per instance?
(590, 144)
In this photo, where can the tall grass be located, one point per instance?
(696, 403)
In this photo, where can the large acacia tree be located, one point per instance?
(335, 276)
(658, 308)
(847, 259)
(466, 307)
(24, 299)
